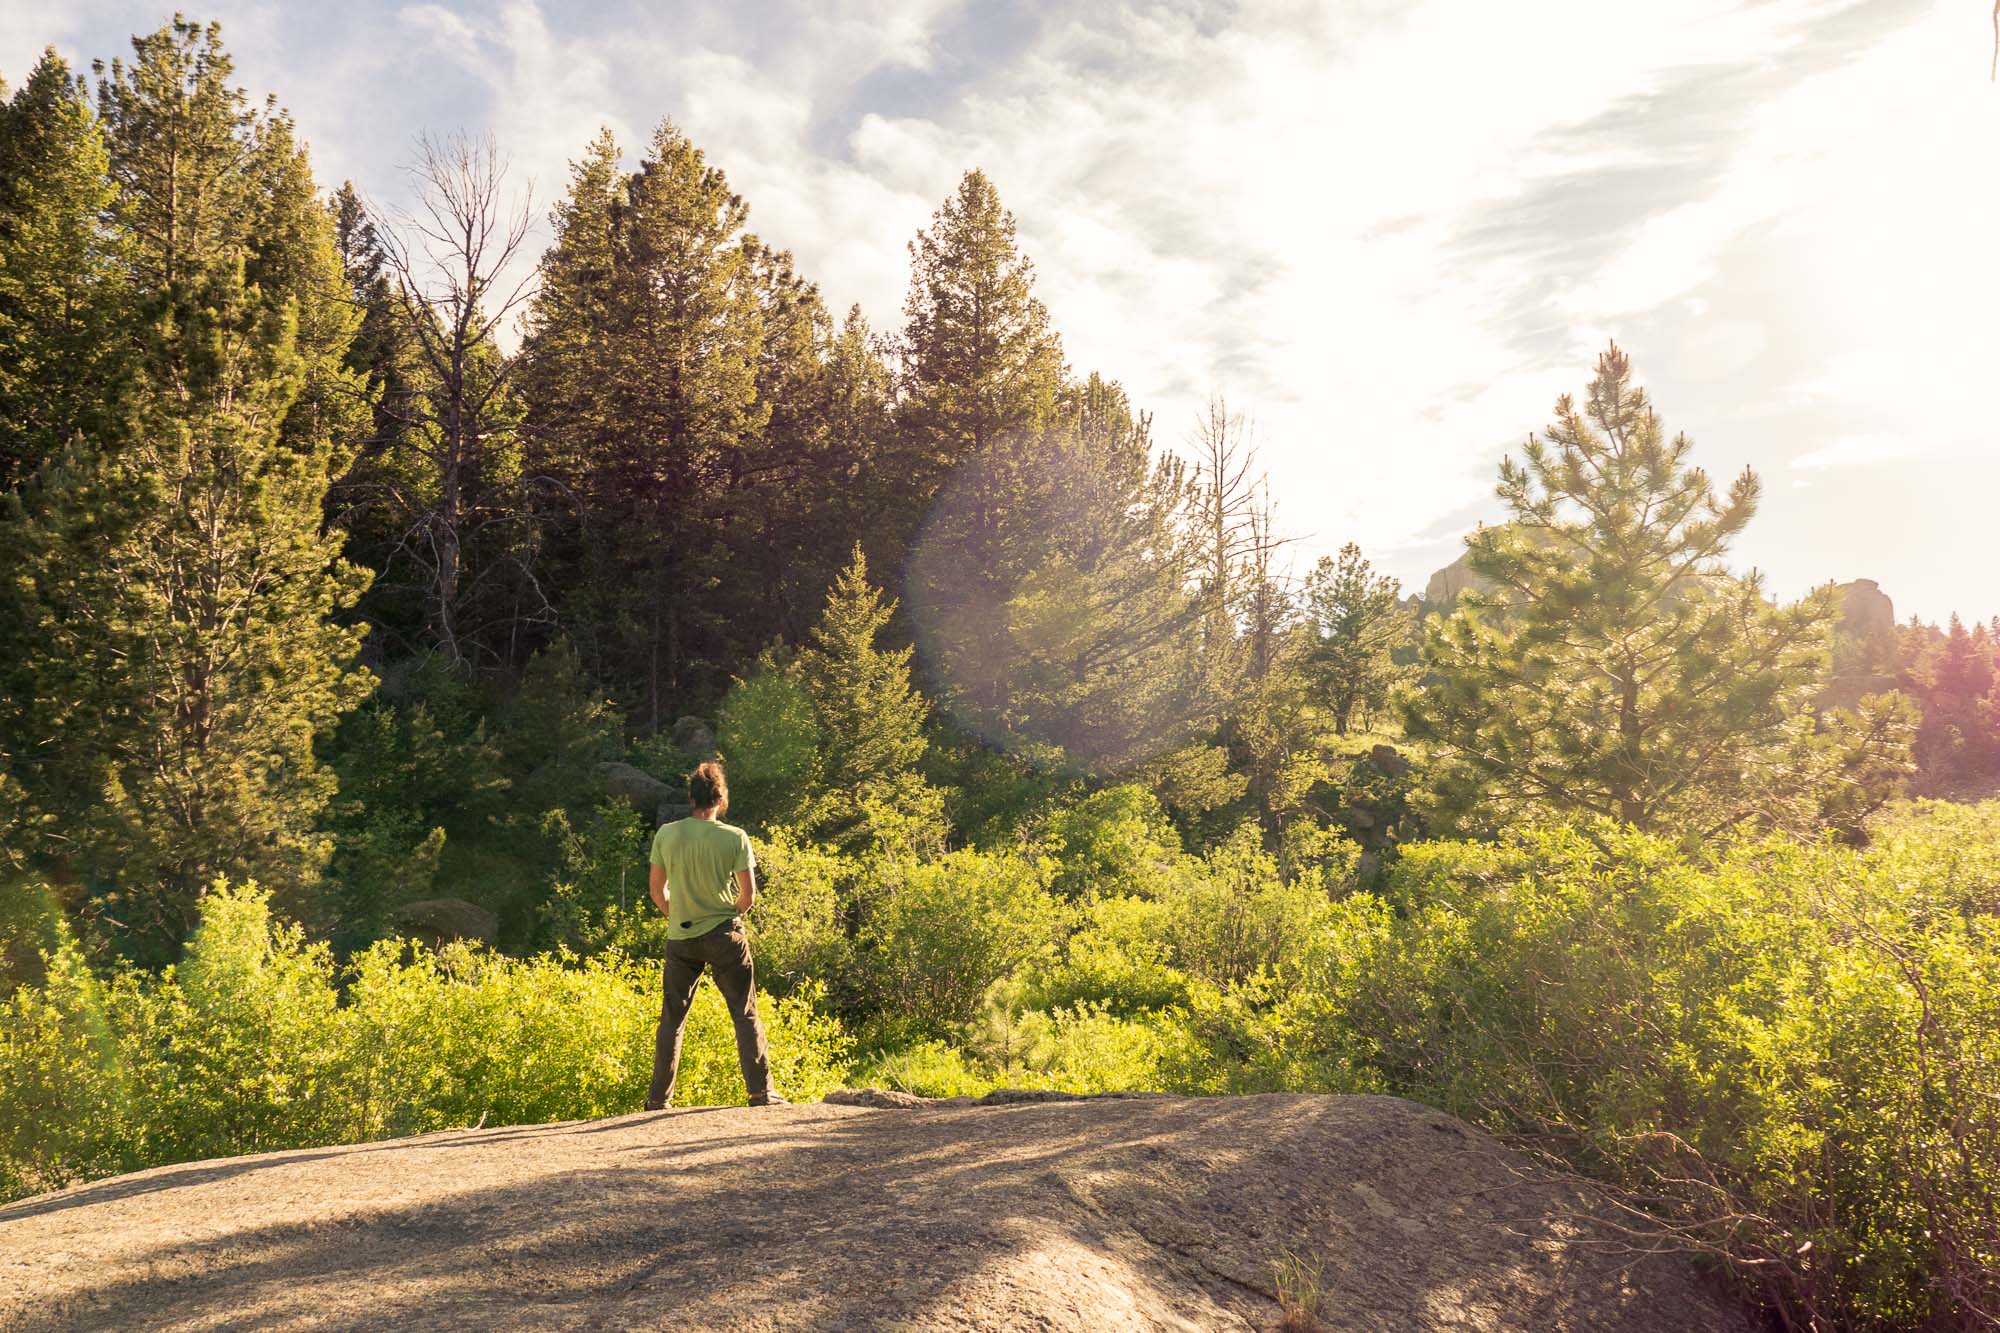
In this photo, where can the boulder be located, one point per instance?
(438, 921)
(641, 790)
(695, 737)
(1389, 762)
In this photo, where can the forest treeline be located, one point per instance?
(318, 580)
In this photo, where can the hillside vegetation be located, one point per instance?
(1783, 1050)
(350, 652)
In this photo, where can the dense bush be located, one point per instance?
(938, 934)
(257, 1041)
(1788, 1050)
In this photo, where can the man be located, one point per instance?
(704, 878)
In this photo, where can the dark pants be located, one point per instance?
(727, 950)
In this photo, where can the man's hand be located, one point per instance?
(746, 889)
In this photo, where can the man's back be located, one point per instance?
(701, 858)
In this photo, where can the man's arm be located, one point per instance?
(746, 890)
(658, 888)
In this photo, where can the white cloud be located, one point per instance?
(1854, 451)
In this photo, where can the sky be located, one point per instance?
(1389, 233)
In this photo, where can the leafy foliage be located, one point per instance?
(257, 1040)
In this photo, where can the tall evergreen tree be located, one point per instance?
(853, 474)
(831, 740)
(871, 716)
(766, 531)
(1615, 668)
(980, 362)
(61, 272)
(981, 380)
(377, 351)
(649, 305)
(173, 579)
(569, 425)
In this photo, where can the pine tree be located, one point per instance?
(854, 472)
(667, 340)
(568, 424)
(870, 721)
(173, 581)
(870, 714)
(61, 273)
(376, 352)
(979, 361)
(981, 378)
(1355, 621)
(1616, 668)
(767, 526)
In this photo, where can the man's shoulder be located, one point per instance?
(732, 830)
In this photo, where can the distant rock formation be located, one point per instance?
(1866, 610)
(1444, 588)
(1864, 645)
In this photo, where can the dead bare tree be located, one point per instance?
(1225, 463)
(457, 263)
(1269, 606)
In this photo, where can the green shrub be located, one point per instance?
(1789, 1050)
(927, 1068)
(938, 934)
(65, 1111)
(463, 1035)
(1114, 841)
(252, 1042)
(771, 738)
(1118, 956)
(242, 1046)
(1092, 1050)
(1237, 917)
(802, 896)
(1078, 1049)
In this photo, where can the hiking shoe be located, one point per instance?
(770, 1099)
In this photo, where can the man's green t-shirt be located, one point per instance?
(701, 858)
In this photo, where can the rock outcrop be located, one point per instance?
(1103, 1213)
(1864, 645)
(1447, 585)
(1865, 610)
(695, 738)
